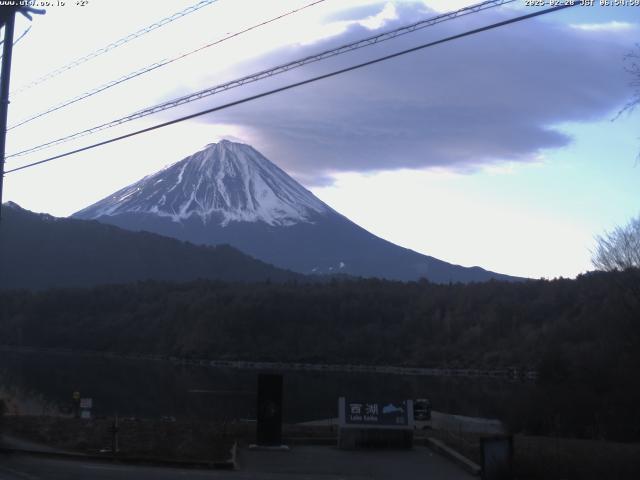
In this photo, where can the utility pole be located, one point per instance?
(7, 50)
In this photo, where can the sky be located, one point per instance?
(503, 149)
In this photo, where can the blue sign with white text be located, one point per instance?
(376, 413)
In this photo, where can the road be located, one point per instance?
(26, 467)
(304, 462)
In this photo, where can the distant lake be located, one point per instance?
(37, 383)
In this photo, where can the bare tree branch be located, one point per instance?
(632, 67)
(619, 249)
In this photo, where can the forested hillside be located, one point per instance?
(583, 335)
(371, 321)
(39, 251)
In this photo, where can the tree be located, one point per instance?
(3, 410)
(619, 249)
(632, 67)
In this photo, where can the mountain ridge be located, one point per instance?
(227, 179)
(39, 251)
(230, 193)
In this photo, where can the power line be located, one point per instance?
(22, 35)
(271, 72)
(298, 84)
(233, 84)
(26, 11)
(19, 37)
(88, 94)
(15, 42)
(7, 20)
(113, 45)
(156, 65)
(9, 17)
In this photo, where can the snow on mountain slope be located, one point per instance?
(228, 193)
(225, 182)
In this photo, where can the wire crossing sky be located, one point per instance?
(366, 42)
(497, 150)
(298, 84)
(101, 51)
(156, 65)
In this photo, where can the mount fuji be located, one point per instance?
(229, 193)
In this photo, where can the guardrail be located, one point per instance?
(506, 373)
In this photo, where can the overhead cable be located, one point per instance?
(113, 45)
(298, 84)
(375, 39)
(154, 66)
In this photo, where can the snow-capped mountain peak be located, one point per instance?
(222, 183)
(228, 193)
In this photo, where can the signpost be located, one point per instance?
(85, 408)
(375, 424)
(376, 413)
(76, 404)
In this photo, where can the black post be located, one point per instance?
(269, 411)
(7, 50)
(114, 436)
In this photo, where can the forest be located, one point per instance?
(582, 335)
(80, 253)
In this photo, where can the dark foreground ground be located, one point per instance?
(304, 462)
(548, 458)
(137, 438)
(312, 455)
(177, 449)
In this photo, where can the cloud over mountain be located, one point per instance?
(492, 97)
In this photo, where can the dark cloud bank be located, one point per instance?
(491, 97)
